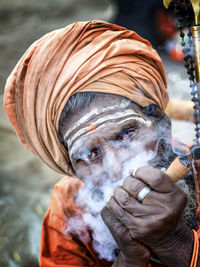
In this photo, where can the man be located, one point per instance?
(89, 100)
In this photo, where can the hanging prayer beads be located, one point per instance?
(183, 10)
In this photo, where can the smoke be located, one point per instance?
(99, 187)
(118, 157)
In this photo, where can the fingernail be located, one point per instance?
(108, 199)
(132, 172)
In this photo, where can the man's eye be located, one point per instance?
(127, 134)
(94, 153)
(90, 156)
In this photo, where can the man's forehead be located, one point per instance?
(104, 116)
(104, 132)
(99, 108)
(110, 121)
(94, 134)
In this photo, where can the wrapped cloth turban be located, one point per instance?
(83, 57)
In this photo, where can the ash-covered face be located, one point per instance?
(104, 141)
(113, 135)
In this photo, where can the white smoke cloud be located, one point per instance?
(92, 197)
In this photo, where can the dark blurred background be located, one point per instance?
(25, 182)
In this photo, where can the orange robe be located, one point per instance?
(57, 247)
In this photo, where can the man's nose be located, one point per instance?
(111, 161)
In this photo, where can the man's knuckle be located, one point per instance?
(126, 182)
(139, 171)
(120, 212)
(157, 180)
(119, 232)
(125, 199)
(133, 186)
(116, 192)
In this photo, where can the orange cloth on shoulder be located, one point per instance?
(93, 56)
(58, 247)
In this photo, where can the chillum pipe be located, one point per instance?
(177, 170)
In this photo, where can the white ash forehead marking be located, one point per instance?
(104, 119)
(96, 111)
(78, 142)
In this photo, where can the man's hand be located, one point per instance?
(132, 253)
(155, 221)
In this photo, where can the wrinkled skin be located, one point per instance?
(141, 230)
(128, 245)
(143, 219)
(156, 221)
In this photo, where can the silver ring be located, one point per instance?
(143, 193)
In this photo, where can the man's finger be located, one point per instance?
(156, 179)
(115, 226)
(109, 218)
(130, 204)
(125, 217)
(140, 228)
(133, 186)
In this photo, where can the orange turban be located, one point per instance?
(84, 56)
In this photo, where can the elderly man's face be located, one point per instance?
(112, 131)
(112, 135)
